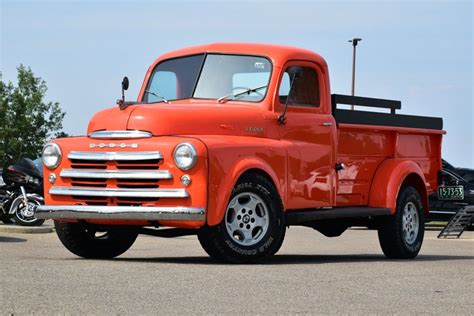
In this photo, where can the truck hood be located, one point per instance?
(187, 118)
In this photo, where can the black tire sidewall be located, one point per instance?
(37, 222)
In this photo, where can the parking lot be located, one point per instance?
(311, 274)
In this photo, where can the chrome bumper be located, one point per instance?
(147, 213)
(112, 192)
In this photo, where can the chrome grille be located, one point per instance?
(120, 193)
(116, 178)
(116, 174)
(122, 160)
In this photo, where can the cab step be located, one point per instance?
(458, 223)
(303, 216)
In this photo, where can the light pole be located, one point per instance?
(354, 42)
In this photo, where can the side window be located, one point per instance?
(305, 90)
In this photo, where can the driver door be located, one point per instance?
(310, 132)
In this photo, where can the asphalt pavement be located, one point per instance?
(311, 274)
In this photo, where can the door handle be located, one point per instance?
(327, 124)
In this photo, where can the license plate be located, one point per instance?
(455, 192)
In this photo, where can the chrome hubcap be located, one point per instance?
(247, 219)
(27, 212)
(410, 222)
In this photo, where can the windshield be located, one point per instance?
(210, 76)
(39, 164)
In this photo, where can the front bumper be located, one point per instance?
(147, 213)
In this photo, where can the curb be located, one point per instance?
(25, 229)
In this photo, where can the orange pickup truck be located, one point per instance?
(234, 143)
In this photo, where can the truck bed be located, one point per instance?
(367, 139)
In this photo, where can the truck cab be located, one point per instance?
(234, 142)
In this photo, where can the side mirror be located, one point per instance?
(295, 72)
(125, 83)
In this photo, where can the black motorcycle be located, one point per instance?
(21, 193)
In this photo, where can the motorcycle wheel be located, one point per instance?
(25, 215)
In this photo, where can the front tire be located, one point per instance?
(401, 234)
(25, 213)
(93, 242)
(253, 227)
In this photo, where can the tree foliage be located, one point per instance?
(27, 121)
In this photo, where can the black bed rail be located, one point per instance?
(363, 101)
(344, 116)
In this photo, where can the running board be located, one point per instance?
(310, 215)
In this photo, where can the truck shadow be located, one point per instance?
(300, 259)
(11, 239)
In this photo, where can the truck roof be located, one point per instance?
(278, 54)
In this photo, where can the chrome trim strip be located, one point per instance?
(116, 174)
(124, 134)
(121, 212)
(108, 192)
(109, 156)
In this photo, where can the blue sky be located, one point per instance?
(418, 52)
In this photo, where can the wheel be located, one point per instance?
(90, 241)
(253, 227)
(401, 234)
(25, 213)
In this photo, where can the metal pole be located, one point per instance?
(353, 68)
(354, 42)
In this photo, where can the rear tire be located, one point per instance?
(401, 234)
(253, 227)
(92, 242)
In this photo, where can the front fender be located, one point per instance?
(388, 180)
(232, 156)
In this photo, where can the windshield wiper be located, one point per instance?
(247, 91)
(157, 95)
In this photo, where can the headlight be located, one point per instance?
(51, 155)
(185, 156)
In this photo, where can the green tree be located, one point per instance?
(27, 121)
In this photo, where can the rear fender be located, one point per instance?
(391, 175)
